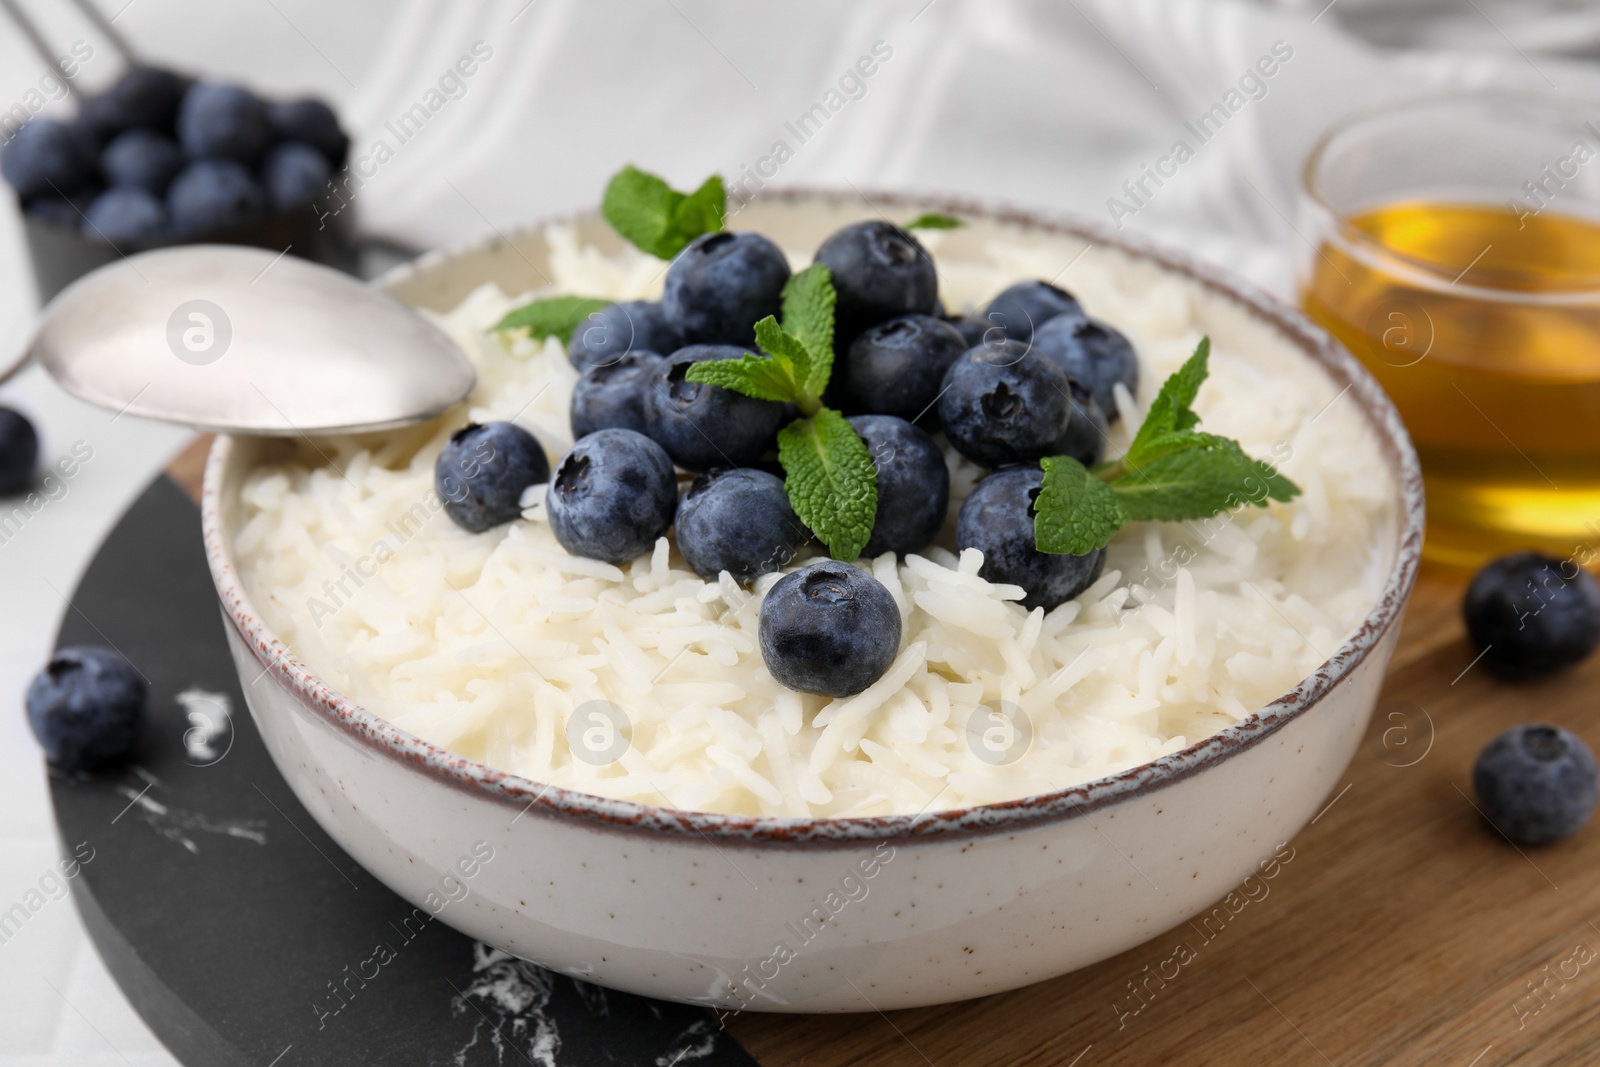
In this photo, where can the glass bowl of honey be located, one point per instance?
(1453, 245)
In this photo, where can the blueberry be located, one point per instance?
(879, 271)
(311, 122)
(618, 328)
(482, 472)
(719, 287)
(973, 328)
(1531, 614)
(913, 484)
(1093, 353)
(98, 121)
(294, 174)
(1000, 406)
(86, 708)
(613, 496)
(611, 395)
(897, 367)
(705, 426)
(223, 122)
(1536, 783)
(1026, 306)
(19, 451)
(143, 98)
(737, 521)
(142, 159)
(214, 194)
(124, 213)
(63, 209)
(997, 519)
(829, 628)
(44, 156)
(1086, 434)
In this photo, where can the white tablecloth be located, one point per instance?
(1046, 104)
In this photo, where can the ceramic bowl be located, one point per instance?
(815, 915)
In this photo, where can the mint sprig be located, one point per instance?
(831, 481)
(934, 221)
(557, 316)
(828, 473)
(1171, 472)
(656, 218)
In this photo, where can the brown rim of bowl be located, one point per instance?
(516, 792)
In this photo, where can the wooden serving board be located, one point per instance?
(1402, 930)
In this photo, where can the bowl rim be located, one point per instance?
(371, 731)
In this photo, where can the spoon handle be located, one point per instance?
(31, 32)
(110, 32)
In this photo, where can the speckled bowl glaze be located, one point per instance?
(814, 915)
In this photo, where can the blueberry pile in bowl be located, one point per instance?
(823, 515)
(160, 158)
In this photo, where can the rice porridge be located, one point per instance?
(644, 682)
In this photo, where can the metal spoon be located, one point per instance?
(239, 340)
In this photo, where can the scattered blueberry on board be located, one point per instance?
(206, 157)
(482, 472)
(612, 496)
(738, 521)
(86, 708)
(1530, 614)
(1536, 783)
(829, 628)
(19, 451)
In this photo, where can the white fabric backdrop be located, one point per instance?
(1045, 103)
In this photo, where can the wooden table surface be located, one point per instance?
(1404, 930)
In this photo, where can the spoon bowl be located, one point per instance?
(244, 341)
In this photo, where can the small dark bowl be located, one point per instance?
(322, 231)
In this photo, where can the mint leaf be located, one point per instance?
(832, 483)
(1075, 513)
(753, 375)
(1272, 485)
(701, 212)
(1170, 411)
(809, 300)
(1198, 483)
(1171, 473)
(934, 221)
(656, 218)
(556, 317)
(774, 340)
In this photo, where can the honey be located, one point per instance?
(1483, 325)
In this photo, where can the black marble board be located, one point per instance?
(238, 929)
